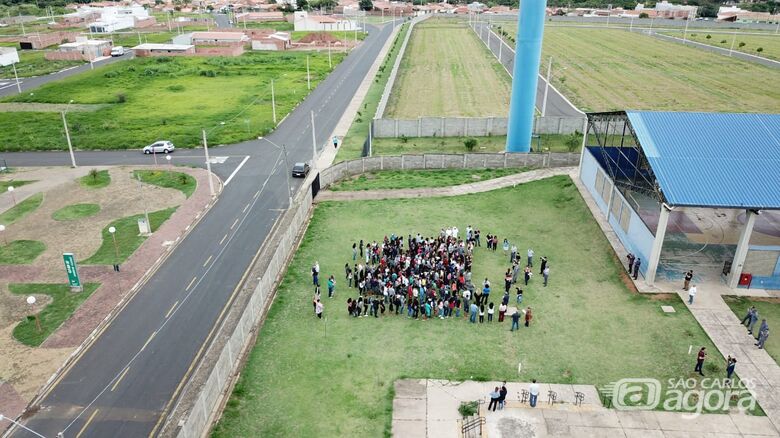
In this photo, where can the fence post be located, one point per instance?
(490, 126)
(419, 126)
(402, 161)
(443, 133)
(381, 162)
(504, 160)
(425, 161)
(395, 128)
(363, 162)
(464, 160)
(466, 128)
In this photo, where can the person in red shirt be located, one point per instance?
(528, 316)
(700, 360)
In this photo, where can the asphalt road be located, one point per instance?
(557, 104)
(8, 86)
(222, 20)
(123, 385)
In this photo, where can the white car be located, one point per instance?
(117, 51)
(159, 146)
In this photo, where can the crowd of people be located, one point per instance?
(431, 277)
(750, 320)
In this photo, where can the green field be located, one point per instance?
(412, 179)
(446, 71)
(15, 184)
(770, 43)
(171, 180)
(767, 308)
(75, 211)
(21, 209)
(96, 179)
(352, 144)
(64, 303)
(456, 145)
(20, 252)
(127, 238)
(32, 63)
(166, 98)
(334, 377)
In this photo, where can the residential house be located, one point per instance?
(305, 22)
(272, 41)
(82, 49)
(150, 49)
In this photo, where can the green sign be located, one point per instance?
(70, 268)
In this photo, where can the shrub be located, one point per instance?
(467, 409)
(404, 139)
(176, 88)
(708, 36)
(760, 49)
(111, 74)
(183, 179)
(573, 141)
(93, 173)
(121, 98)
(741, 44)
(470, 143)
(723, 41)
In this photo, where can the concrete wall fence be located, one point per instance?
(469, 126)
(208, 389)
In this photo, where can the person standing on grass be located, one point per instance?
(490, 312)
(700, 360)
(486, 291)
(360, 247)
(762, 337)
(501, 312)
(315, 299)
(505, 299)
(519, 296)
(508, 280)
(315, 274)
(731, 364)
(533, 390)
(513, 255)
(331, 286)
(476, 238)
(515, 321)
(748, 315)
(505, 246)
(318, 308)
(543, 263)
(530, 257)
(515, 271)
(528, 316)
(688, 278)
(546, 274)
(473, 313)
(354, 251)
(527, 274)
(466, 300)
(481, 313)
(753, 321)
(691, 294)
(637, 264)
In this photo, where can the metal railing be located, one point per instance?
(473, 425)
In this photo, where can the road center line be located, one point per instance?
(227, 181)
(171, 309)
(245, 208)
(234, 224)
(223, 239)
(154, 333)
(191, 281)
(122, 376)
(89, 420)
(207, 261)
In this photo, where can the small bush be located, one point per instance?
(573, 141)
(121, 98)
(470, 143)
(93, 173)
(176, 88)
(467, 409)
(708, 36)
(111, 74)
(760, 49)
(404, 139)
(183, 178)
(723, 41)
(741, 44)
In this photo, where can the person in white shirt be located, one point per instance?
(530, 257)
(691, 294)
(534, 391)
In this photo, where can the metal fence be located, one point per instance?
(469, 126)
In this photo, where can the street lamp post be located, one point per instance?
(208, 162)
(143, 201)
(308, 73)
(112, 230)
(2, 230)
(31, 301)
(11, 191)
(273, 95)
(67, 135)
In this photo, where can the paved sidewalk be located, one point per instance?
(717, 320)
(464, 189)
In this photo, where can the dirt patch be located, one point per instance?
(663, 297)
(319, 37)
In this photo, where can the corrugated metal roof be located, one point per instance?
(713, 159)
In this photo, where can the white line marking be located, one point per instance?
(227, 181)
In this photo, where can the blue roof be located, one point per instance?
(713, 159)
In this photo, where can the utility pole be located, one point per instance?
(67, 136)
(308, 73)
(500, 48)
(546, 87)
(330, 61)
(208, 162)
(313, 142)
(273, 101)
(733, 40)
(143, 201)
(16, 76)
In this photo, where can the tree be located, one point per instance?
(366, 5)
(470, 143)
(573, 141)
(643, 15)
(303, 5)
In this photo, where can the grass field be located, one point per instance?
(172, 180)
(32, 63)
(75, 211)
(167, 98)
(769, 43)
(769, 309)
(64, 303)
(447, 71)
(411, 179)
(352, 145)
(455, 145)
(20, 252)
(127, 238)
(334, 377)
(5, 184)
(96, 180)
(21, 209)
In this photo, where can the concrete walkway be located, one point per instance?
(429, 408)
(464, 189)
(717, 320)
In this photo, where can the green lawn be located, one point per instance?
(605, 70)
(21, 209)
(21, 252)
(96, 180)
(276, 25)
(32, 63)
(770, 43)
(165, 178)
(769, 309)
(447, 71)
(18, 183)
(334, 377)
(352, 145)
(64, 303)
(411, 179)
(127, 238)
(75, 211)
(167, 98)
(455, 145)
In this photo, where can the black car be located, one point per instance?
(300, 170)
